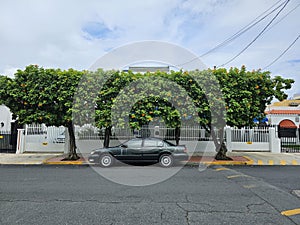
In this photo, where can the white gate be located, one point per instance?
(40, 138)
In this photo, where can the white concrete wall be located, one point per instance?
(199, 146)
(251, 146)
(40, 143)
(44, 147)
(86, 146)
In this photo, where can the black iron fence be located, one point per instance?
(7, 142)
(290, 139)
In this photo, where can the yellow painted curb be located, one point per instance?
(221, 169)
(64, 163)
(294, 162)
(237, 175)
(291, 212)
(250, 161)
(282, 162)
(225, 163)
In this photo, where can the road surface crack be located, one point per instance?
(186, 213)
(162, 213)
(249, 206)
(67, 200)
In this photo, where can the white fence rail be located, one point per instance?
(250, 135)
(196, 133)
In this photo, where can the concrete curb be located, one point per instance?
(22, 163)
(189, 163)
(239, 160)
(244, 161)
(64, 163)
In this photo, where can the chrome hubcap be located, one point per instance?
(166, 161)
(106, 161)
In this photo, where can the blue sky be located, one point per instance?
(75, 34)
(96, 30)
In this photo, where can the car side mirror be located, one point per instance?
(161, 145)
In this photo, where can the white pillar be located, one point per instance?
(274, 142)
(20, 141)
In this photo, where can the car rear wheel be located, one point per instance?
(106, 160)
(166, 160)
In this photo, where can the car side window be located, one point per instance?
(150, 143)
(134, 143)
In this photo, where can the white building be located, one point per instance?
(5, 118)
(285, 114)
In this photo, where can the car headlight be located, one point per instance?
(93, 152)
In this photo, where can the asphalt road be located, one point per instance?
(217, 195)
(284, 177)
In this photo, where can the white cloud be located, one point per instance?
(53, 34)
(10, 72)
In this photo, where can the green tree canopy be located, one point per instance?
(106, 98)
(4, 90)
(38, 95)
(235, 96)
(246, 93)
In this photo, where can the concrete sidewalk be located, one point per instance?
(25, 159)
(251, 158)
(239, 158)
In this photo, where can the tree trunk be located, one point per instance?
(145, 131)
(72, 151)
(221, 155)
(220, 145)
(107, 135)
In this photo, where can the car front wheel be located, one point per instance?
(166, 160)
(106, 160)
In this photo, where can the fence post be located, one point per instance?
(20, 141)
(26, 129)
(274, 142)
(228, 138)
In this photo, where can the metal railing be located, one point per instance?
(186, 133)
(250, 134)
(42, 133)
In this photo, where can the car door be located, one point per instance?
(133, 149)
(151, 149)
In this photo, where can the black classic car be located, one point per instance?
(152, 150)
